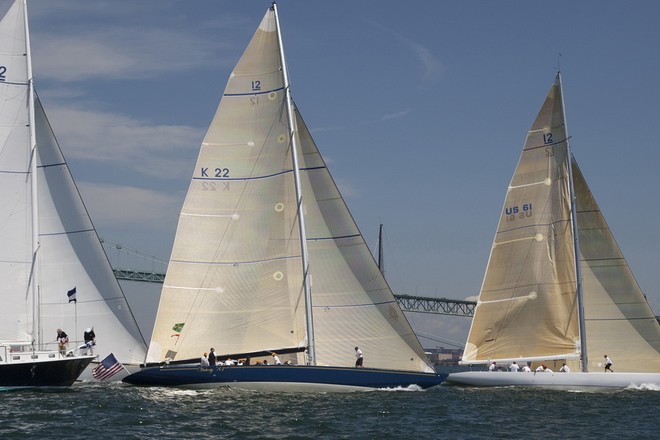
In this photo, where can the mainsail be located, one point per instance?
(235, 278)
(68, 254)
(529, 306)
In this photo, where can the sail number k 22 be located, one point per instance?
(217, 172)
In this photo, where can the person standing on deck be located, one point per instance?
(212, 357)
(62, 341)
(608, 364)
(359, 358)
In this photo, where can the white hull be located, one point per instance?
(556, 380)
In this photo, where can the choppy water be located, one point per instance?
(119, 411)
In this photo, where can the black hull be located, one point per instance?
(52, 373)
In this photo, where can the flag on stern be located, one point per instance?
(72, 295)
(107, 368)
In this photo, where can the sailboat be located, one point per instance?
(557, 289)
(267, 259)
(55, 272)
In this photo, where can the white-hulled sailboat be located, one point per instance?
(267, 258)
(48, 245)
(557, 289)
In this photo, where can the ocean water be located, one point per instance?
(100, 411)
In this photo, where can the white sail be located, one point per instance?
(70, 254)
(235, 279)
(528, 304)
(15, 215)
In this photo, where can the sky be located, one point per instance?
(419, 107)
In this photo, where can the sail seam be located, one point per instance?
(339, 237)
(316, 306)
(254, 93)
(66, 232)
(533, 225)
(235, 263)
(536, 147)
(266, 176)
(13, 83)
(53, 165)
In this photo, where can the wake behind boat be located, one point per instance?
(557, 289)
(267, 257)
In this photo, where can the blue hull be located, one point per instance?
(282, 377)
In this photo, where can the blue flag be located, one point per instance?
(72, 295)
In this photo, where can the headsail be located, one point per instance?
(72, 256)
(234, 280)
(618, 319)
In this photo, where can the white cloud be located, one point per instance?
(432, 66)
(165, 151)
(114, 52)
(117, 205)
(397, 115)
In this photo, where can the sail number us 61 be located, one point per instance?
(518, 212)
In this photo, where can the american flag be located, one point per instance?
(107, 368)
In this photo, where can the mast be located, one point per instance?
(576, 241)
(381, 263)
(36, 300)
(309, 318)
